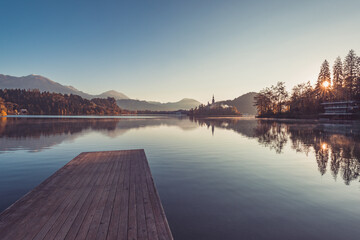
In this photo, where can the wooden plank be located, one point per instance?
(118, 205)
(55, 217)
(97, 195)
(35, 200)
(24, 204)
(150, 218)
(140, 209)
(132, 224)
(85, 226)
(64, 221)
(124, 213)
(161, 223)
(75, 226)
(109, 206)
(96, 220)
(70, 195)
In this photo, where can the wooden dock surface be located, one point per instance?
(97, 195)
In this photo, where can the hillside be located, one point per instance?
(46, 85)
(45, 103)
(112, 94)
(244, 104)
(135, 105)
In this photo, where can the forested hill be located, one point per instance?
(244, 103)
(45, 103)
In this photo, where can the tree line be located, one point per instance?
(46, 103)
(305, 99)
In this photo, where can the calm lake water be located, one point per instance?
(217, 179)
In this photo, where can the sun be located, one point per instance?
(326, 84)
(324, 146)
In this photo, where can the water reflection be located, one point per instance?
(336, 147)
(227, 178)
(37, 134)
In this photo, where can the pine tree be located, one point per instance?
(357, 80)
(350, 65)
(324, 81)
(338, 78)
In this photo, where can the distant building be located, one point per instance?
(213, 99)
(341, 110)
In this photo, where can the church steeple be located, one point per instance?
(213, 99)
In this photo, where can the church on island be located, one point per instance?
(214, 109)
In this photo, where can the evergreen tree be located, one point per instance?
(357, 80)
(350, 71)
(338, 78)
(324, 81)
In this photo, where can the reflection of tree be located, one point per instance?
(35, 134)
(322, 157)
(3, 121)
(345, 157)
(272, 135)
(34, 128)
(336, 159)
(246, 128)
(339, 144)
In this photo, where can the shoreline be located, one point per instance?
(309, 120)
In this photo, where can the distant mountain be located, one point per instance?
(131, 104)
(244, 103)
(44, 84)
(113, 94)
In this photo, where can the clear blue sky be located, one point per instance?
(167, 50)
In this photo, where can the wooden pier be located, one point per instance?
(97, 195)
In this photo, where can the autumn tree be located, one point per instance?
(280, 96)
(3, 110)
(272, 100)
(263, 101)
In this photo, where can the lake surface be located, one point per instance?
(217, 178)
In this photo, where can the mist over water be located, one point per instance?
(228, 178)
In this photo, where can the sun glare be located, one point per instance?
(324, 146)
(326, 84)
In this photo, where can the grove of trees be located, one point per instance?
(45, 103)
(305, 99)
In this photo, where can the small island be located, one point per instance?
(214, 109)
